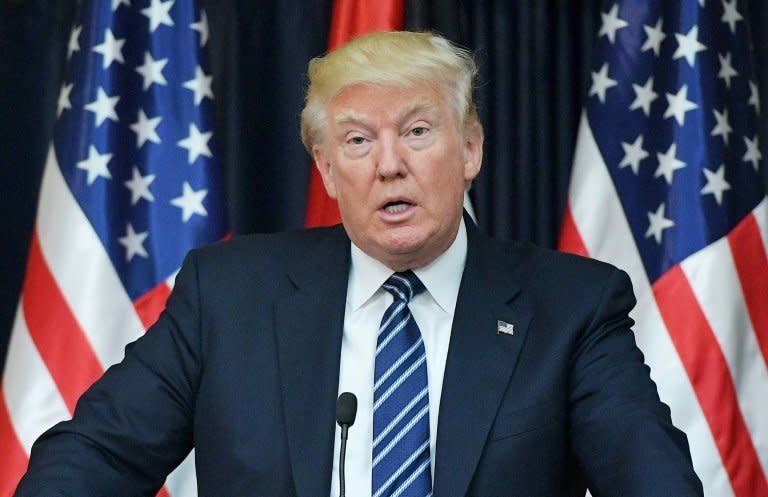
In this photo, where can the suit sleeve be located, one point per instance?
(134, 425)
(622, 433)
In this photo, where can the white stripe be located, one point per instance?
(761, 216)
(394, 333)
(407, 428)
(410, 479)
(400, 416)
(171, 280)
(397, 290)
(182, 482)
(83, 270)
(402, 468)
(407, 283)
(397, 363)
(599, 217)
(386, 323)
(400, 380)
(33, 401)
(715, 282)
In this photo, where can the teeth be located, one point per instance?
(395, 208)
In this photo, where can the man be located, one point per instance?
(481, 369)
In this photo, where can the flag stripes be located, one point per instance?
(715, 285)
(82, 268)
(750, 258)
(125, 194)
(709, 373)
(67, 353)
(14, 456)
(570, 240)
(598, 225)
(30, 387)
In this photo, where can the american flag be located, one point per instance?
(668, 183)
(130, 185)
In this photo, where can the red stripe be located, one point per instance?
(151, 304)
(350, 18)
(711, 379)
(13, 457)
(570, 239)
(752, 266)
(163, 493)
(55, 331)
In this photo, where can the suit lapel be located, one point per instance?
(480, 361)
(309, 323)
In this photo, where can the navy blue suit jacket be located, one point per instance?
(243, 365)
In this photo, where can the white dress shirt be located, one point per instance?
(366, 302)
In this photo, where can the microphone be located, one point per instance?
(346, 409)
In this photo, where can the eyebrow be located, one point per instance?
(351, 116)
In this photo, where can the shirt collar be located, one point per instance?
(441, 277)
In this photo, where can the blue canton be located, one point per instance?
(134, 136)
(674, 109)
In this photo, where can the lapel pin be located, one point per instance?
(504, 327)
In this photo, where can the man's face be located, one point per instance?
(395, 161)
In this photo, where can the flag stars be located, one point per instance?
(96, 165)
(657, 223)
(726, 69)
(202, 28)
(601, 82)
(152, 71)
(190, 202)
(158, 13)
(103, 107)
(611, 23)
(74, 43)
(64, 103)
(723, 127)
(200, 85)
(139, 187)
(688, 46)
(633, 154)
(196, 143)
(644, 96)
(133, 243)
(668, 164)
(655, 37)
(145, 129)
(678, 104)
(716, 184)
(111, 49)
(752, 154)
(730, 15)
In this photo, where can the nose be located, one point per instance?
(392, 161)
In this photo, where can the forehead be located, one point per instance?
(371, 102)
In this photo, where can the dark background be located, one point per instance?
(534, 59)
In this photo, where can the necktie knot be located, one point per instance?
(404, 286)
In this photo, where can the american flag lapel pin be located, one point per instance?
(504, 327)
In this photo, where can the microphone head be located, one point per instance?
(346, 409)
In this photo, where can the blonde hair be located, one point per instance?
(389, 58)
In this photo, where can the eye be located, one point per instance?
(419, 131)
(356, 140)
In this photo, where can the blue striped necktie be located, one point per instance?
(401, 399)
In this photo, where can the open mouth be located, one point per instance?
(396, 207)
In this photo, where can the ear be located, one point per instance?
(325, 168)
(473, 150)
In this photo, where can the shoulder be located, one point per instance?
(269, 250)
(533, 263)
